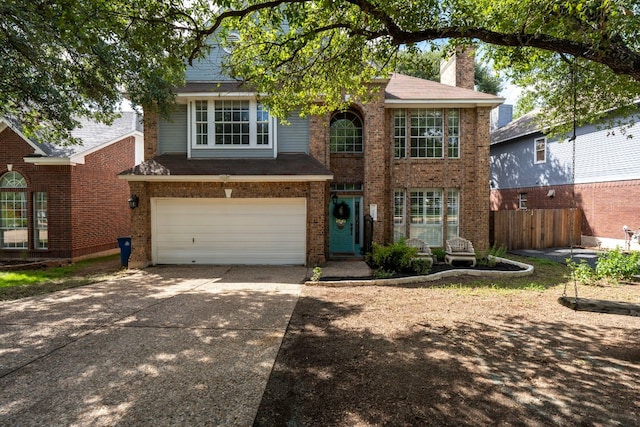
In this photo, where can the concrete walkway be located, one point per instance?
(188, 345)
(561, 255)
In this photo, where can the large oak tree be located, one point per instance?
(62, 58)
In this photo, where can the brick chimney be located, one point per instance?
(459, 69)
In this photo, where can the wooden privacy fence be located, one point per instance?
(536, 228)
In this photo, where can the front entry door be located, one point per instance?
(344, 226)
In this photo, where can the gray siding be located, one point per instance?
(294, 137)
(602, 155)
(208, 69)
(172, 133)
(232, 153)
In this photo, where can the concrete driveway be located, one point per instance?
(164, 346)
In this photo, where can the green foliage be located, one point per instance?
(439, 253)
(302, 51)
(617, 265)
(582, 272)
(317, 274)
(488, 257)
(67, 59)
(423, 64)
(612, 265)
(74, 58)
(420, 266)
(486, 80)
(394, 258)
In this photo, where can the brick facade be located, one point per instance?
(606, 206)
(381, 174)
(314, 192)
(86, 204)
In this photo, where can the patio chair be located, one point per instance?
(423, 249)
(459, 249)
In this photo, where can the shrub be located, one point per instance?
(617, 265)
(394, 258)
(439, 253)
(582, 271)
(420, 265)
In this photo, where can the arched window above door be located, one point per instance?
(346, 133)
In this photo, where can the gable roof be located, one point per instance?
(403, 90)
(522, 126)
(93, 136)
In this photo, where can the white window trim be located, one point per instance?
(253, 127)
(535, 150)
(522, 197)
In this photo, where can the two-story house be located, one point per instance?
(598, 174)
(223, 182)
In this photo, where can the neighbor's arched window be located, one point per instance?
(346, 133)
(14, 232)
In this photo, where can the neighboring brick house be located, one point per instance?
(223, 182)
(66, 202)
(531, 171)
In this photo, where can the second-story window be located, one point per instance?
(346, 133)
(420, 133)
(230, 124)
(427, 133)
(540, 149)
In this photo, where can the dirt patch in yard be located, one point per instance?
(458, 355)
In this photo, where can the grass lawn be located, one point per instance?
(24, 283)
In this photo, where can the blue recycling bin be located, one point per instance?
(125, 250)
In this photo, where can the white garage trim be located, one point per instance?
(228, 231)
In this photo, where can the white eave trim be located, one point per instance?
(36, 148)
(189, 96)
(226, 178)
(52, 161)
(443, 103)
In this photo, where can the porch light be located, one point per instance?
(334, 198)
(133, 201)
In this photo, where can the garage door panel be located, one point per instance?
(229, 231)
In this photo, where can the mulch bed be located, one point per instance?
(436, 268)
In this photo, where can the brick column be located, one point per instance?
(317, 223)
(140, 226)
(475, 201)
(376, 164)
(150, 133)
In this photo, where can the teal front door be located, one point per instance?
(344, 226)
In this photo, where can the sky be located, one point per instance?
(510, 93)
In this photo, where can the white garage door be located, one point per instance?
(229, 231)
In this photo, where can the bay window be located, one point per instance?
(230, 124)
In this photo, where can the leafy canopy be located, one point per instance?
(70, 58)
(298, 50)
(65, 59)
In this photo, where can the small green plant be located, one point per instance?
(617, 265)
(317, 274)
(394, 258)
(421, 266)
(488, 257)
(439, 253)
(582, 271)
